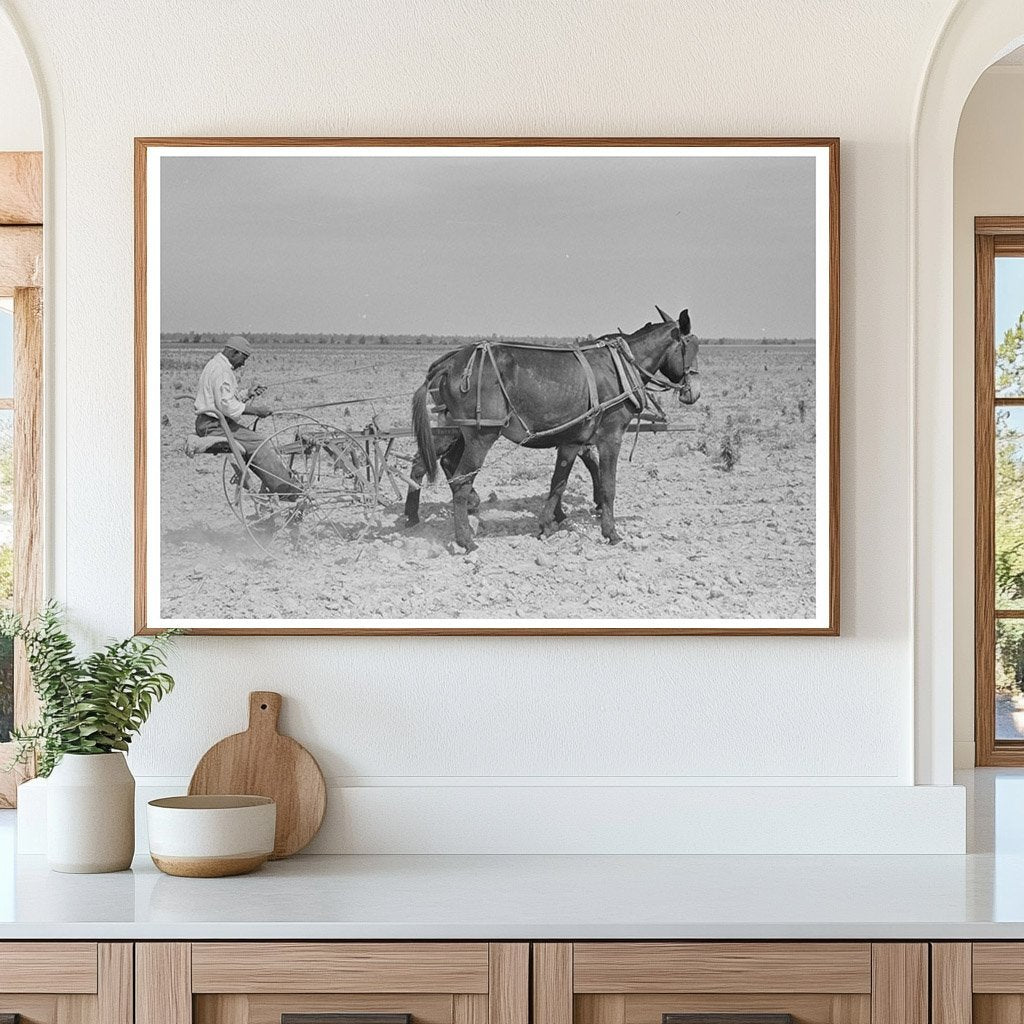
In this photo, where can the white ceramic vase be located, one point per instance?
(90, 814)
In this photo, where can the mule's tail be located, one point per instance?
(424, 435)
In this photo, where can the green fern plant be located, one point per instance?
(90, 705)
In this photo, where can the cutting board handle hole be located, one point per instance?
(263, 707)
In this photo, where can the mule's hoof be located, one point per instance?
(468, 546)
(411, 521)
(598, 510)
(614, 539)
(560, 516)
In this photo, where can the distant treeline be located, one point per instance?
(412, 340)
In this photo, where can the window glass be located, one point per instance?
(6, 353)
(1009, 511)
(1009, 679)
(1009, 327)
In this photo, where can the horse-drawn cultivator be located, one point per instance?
(340, 477)
(339, 481)
(344, 478)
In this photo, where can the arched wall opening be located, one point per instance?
(976, 35)
(989, 153)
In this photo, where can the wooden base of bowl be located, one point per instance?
(209, 867)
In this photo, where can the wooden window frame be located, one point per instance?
(21, 278)
(993, 236)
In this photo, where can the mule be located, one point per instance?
(569, 398)
(448, 459)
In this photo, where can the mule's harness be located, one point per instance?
(634, 382)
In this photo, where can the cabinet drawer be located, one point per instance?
(730, 983)
(332, 983)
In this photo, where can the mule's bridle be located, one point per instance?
(663, 383)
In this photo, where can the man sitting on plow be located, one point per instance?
(219, 393)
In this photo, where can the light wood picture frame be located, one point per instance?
(355, 274)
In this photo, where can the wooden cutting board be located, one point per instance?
(262, 762)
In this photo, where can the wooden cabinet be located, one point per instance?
(66, 982)
(979, 982)
(494, 983)
(263, 982)
(753, 982)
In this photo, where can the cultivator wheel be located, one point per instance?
(340, 480)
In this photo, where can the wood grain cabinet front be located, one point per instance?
(332, 983)
(66, 982)
(978, 983)
(730, 983)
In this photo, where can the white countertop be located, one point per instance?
(977, 896)
(517, 897)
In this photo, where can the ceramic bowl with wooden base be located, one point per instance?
(211, 836)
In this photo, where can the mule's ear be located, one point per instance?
(664, 315)
(684, 321)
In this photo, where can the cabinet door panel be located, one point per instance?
(33, 1008)
(998, 1009)
(593, 1009)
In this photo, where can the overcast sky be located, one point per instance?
(479, 245)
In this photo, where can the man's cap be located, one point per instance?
(239, 344)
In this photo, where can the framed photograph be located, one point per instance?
(499, 386)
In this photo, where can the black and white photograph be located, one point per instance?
(479, 386)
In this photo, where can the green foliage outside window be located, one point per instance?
(1009, 656)
(6, 688)
(1009, 510)
(1010, 361)
(6, 578)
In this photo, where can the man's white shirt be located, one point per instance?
(218, 389)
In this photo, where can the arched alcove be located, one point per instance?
(976, 34)
(989, 153)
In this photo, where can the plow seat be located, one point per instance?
(212, 444)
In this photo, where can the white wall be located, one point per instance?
(21, 127)
(988, 180)
(464, 712)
